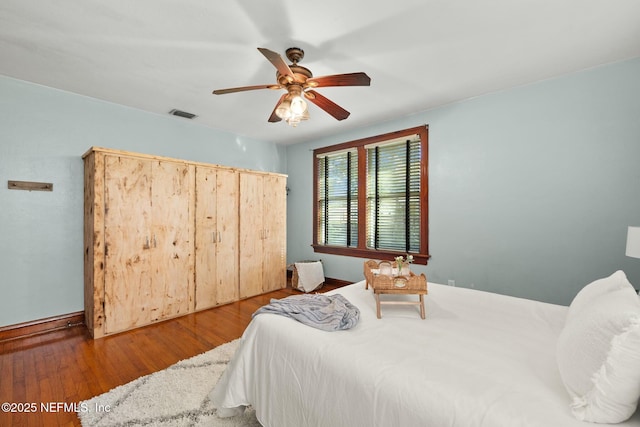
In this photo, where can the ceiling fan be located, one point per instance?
(299, 83)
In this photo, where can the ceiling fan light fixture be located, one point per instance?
(284, 109)
(299, 83)
(293, 108)
(298, 105)
(294, 119)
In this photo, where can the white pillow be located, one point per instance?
(598, 351)
(595, 289)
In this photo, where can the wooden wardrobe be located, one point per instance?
(166, 237)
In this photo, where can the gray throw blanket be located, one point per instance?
(326, 312)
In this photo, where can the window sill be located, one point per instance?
(369, 253)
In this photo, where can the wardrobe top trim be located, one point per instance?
(171, 159)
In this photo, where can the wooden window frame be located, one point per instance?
(361, 251)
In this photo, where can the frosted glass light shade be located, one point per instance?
(633, 242)
(284, 110)
(298, 105)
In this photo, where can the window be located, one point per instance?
(371, 196)
(338, 198)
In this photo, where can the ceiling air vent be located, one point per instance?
(181, 113)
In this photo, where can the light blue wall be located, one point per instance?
(43, 134)
(531, 189)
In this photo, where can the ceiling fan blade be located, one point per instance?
(327, 105)
(244, 88)
(273, 118)
(277, 62)
(351, 79)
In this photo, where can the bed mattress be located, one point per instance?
(479, 359)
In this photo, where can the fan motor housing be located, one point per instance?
(300, 73)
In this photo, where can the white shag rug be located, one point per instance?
(174, 397)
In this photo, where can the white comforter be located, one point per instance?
(479, 359)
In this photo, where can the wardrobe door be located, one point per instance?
(251, 234)
(172, 239)
(227, 246)
(148, 243)
(206, 237)
(216, 236)
(129, 297)
(274, 242)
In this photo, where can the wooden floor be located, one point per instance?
(67, 366)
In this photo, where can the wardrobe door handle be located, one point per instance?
(219, 237)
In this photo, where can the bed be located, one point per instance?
(479, 359)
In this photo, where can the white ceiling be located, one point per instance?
(156, 55)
